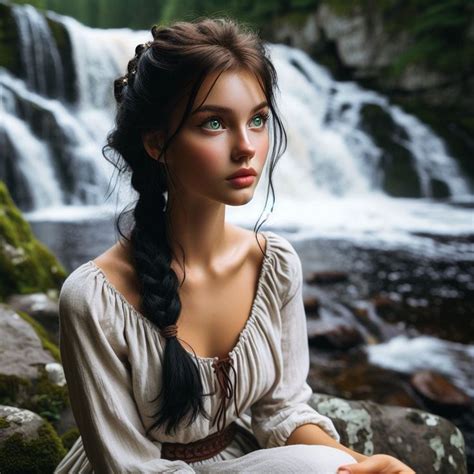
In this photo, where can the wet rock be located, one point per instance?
(438, 388)
(311, 304)
(426, 442)
(327, 277)
(28, 443)
(332, 335)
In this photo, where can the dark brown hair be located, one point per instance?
(172, 66)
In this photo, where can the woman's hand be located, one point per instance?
(376, 464)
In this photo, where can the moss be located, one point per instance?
(40, 396)
(13, 389)
(43, 335)
(4, 423)
(37, 455)
(70, 437)
(47, 399)
(26, 265)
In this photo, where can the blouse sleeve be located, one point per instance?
(100, 390)
(285, 406)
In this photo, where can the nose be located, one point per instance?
(243, 147)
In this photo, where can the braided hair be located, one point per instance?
(174, 64)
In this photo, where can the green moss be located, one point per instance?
(4, 423)
(38, 455)
(47, 399)
(70, 437)
(43, 335)
(13, 389)
(26, 265)
(40, 396)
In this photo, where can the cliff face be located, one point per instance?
(362, 41)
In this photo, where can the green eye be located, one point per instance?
(258, 121)
(214, 124)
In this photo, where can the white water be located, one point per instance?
(327, 183)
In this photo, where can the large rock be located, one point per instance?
(426, 442)
(28, 443)
(41, 307)
(26, 265)
(30, 373)
(21, 348)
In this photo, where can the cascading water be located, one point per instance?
(333, 167)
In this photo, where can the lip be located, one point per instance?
(243, 172)
(242, 181)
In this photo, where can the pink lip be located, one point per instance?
(242, 181)
(243, 172)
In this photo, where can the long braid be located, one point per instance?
(162, 70)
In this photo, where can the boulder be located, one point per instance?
(28, 443)
(426, 442)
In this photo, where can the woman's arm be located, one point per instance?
(99, 384)
(313, 434)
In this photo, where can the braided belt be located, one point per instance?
(201, 449)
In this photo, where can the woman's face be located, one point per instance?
(226, 131)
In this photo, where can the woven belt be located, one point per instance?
(201, 449)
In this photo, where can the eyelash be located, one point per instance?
(264, 115)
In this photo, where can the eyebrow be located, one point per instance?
(218, 108)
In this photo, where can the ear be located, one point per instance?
(153, 143)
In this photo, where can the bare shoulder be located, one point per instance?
(254, 250)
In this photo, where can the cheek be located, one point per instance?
(200, 154)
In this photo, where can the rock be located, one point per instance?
(311, 304)
(41, 307)
(327, 277)
(438, 389)
(330, 334)
(21, 348)
(426, 442)
(26, 265)
(30, 375)
(28, 443)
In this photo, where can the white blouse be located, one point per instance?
(112, 361)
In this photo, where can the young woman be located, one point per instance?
(184, 345)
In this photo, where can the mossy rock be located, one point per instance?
(28, 443)
(45, 338)
(26, 265)
(40, 396)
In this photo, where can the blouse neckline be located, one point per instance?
(248, 323)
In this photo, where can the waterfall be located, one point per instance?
(336, 164)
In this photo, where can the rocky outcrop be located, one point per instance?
(426, 442)
(26, 265)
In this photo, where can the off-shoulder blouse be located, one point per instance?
(112, 356)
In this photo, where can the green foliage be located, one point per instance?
(38, 455)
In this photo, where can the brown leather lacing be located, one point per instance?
(213, 444)
(226, 388)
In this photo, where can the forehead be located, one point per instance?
(238, 90)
